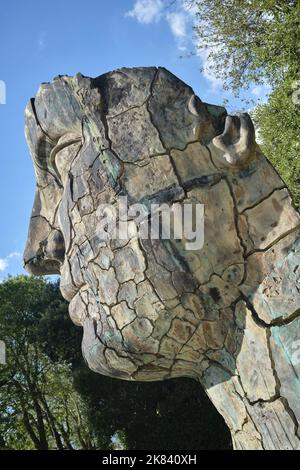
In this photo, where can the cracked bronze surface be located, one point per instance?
(227, 315)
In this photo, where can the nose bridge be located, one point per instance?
(44, 251)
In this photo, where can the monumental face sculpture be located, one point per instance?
(222, 308)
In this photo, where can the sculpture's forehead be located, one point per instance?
(137, 113)
(57, 109)
(58, 106)
(54, 112)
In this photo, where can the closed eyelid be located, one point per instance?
(62, 144)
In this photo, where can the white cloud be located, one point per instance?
(178, 24)
(257, 91)
(190, 8)
(207, 68)
(180, 17)
(14, 254)
(146, 11)
(152, 11)
(3, 264)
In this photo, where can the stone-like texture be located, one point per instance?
(285, 347)
(253, 362)
(227, 313)
(149, 179)
(272, 218)
(131, 142)
(277, 297)
(275, 425)
(201, 168)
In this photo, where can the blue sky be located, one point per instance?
(39, 40)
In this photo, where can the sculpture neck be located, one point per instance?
(259, 400)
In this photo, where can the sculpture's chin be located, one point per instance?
(117, 364)
(104, 348)
(117, 341)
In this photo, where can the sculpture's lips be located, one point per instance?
(67, 287)
(77, 309)
(38, 266)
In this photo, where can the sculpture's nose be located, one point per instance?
(45, 248)
(43, 256)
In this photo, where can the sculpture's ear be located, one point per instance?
(237, 140)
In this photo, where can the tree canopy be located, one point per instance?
(39, 407)
(250, 42)
(50, 399)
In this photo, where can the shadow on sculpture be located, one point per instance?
(225, 314)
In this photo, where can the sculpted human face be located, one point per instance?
(150, 309)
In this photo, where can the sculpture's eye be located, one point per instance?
(64, 158)
(63, 155)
